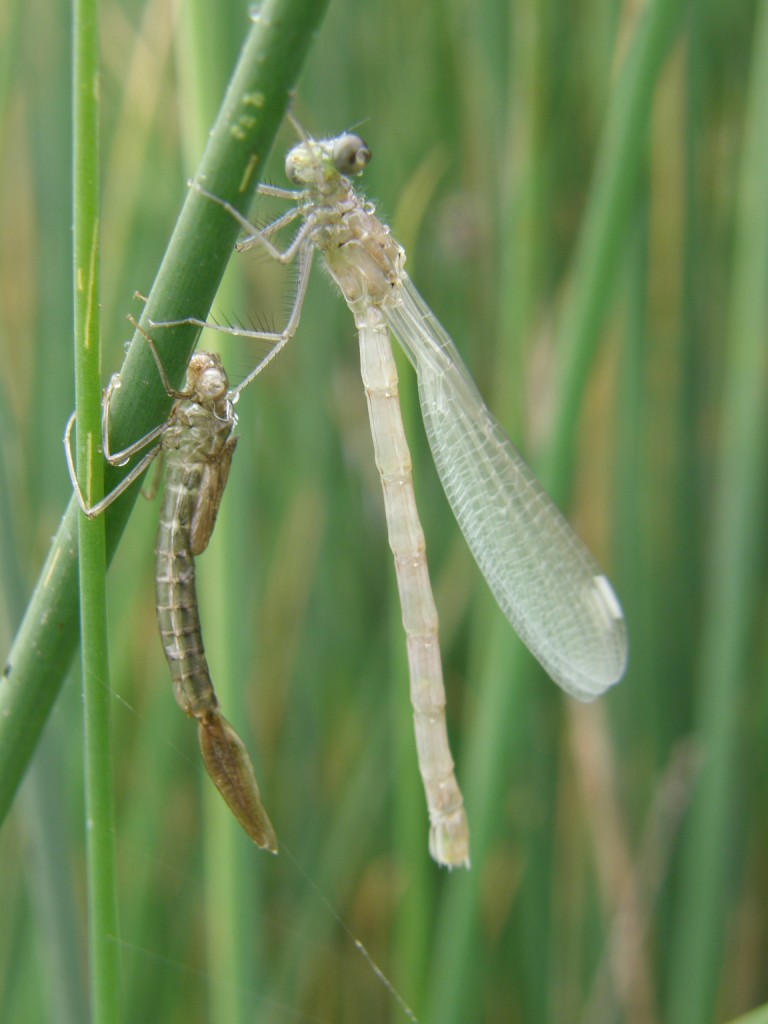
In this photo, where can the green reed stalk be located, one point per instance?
(186, 283)
(712, 841)
(100, 840)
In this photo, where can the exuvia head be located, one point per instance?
(206, 377)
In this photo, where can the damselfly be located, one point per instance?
(197, 446)
(542, 576)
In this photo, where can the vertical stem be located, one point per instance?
(610, 205)
(197, 253)
(711, 846)
(102, 908)
(611, 202)
(233, 868)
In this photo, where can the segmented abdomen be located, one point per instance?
(177, 610)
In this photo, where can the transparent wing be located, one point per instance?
(544, 579)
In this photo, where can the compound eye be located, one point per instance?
(350, 154)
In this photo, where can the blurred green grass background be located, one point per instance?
(618, 849)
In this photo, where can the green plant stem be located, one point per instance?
(185, 286)
(234, 951)
(607, 217)
(100, 843)
(759, 1016)
(734, 577)
(607, 220)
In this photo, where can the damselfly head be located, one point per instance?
(206, 377)
(316, 163)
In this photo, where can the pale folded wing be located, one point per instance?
(543, 577)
